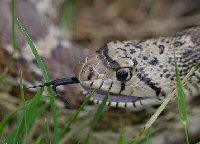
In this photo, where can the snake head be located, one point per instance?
(117, 69)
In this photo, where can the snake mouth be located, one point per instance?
(118, 98)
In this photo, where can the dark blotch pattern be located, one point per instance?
(107, 60)
(148, 82)
(178, 44)
(154, 61)
(161, 49)
(132, 51)
(123, 85)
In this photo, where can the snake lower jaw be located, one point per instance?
(119, 100)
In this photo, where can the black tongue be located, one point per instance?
(58, 82)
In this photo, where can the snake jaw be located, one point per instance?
(120, 100)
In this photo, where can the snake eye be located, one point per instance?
(124, 74)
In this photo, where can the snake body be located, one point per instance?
(141, 73)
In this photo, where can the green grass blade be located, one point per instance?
(14, 39)
(31, 114)
(46, 77)
(181, 100)
(68, 12)
(145, 139)
(39, 140)
(181, 94)
(36, 99)
(14, 18)
(16, 132)
(77, 128)
(148, 136)
(24, 107)
(36, 54)
(96, 118)
(86, 140)
(6, 120)
(31, 117)
(48, 131)
(73, 117)
(37, 114)
(100, 111)
(121, 136)
(197, 65)
(55, 118)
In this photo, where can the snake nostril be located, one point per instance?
(91, 73)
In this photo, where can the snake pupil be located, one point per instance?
(123, 74)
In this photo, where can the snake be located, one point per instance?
(139, 73)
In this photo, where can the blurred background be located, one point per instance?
(65, 31)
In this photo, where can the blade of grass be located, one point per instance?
(6, 120)
(181, 100)
(16, 132)
(197, 65)
(100, 111)
(46, 77)
(48, 132)
(31, 115)
(33, 102)
(96, 118)
(36, 99)
(36, 54)
(77, 128)
(14, 39)
(24, 107)
(148, 136)
(31, 118)
(39, 140)
(68, 12)
(121, 136)
(144, 140)
(73, 117)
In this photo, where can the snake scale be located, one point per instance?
(141, 73)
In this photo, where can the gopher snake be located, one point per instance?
(139, 73)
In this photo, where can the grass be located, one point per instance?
(73, 117)
(24, 107)
(14, 39)
(148, 136)
(98, 114)
(31, 110)
(46, 77)
(34, 109)
(68, 11)
(121, 135)
(181, 100)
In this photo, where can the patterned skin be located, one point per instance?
(141, 73)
